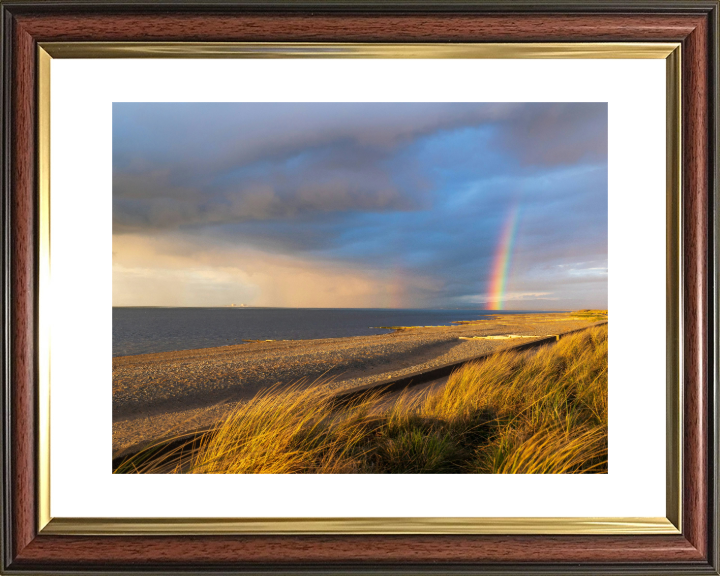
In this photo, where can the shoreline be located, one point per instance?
(158, 394)
(142, 334)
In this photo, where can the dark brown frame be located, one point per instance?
(694, 23)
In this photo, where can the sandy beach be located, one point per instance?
(159, 395)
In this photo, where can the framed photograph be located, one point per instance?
(359, 288)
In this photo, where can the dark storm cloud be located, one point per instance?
(560, 134)
(266, 191)
(186, 164)
(222, 136)
(416, 189)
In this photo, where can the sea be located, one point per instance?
(146, 330)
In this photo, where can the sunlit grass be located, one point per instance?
(535, 412)
(590, 315)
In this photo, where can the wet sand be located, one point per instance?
(159, 395)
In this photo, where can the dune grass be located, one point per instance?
(535, 412)
(590, 315)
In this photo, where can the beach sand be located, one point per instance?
(160, 395)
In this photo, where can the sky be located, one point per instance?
(361, 205)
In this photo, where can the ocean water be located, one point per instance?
(148, 330)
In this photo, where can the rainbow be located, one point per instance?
(501, 262)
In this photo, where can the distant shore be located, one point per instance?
(157, 395)
(155, 330)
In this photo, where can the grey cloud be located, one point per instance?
(194, 164)
(562, 133)
(221, 136)
(154, 201)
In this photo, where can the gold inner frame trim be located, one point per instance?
(532, 525)
(268, 526)
(673, 266)
(609, 50)
(43, 397)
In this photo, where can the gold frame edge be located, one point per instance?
(269, 526)
(531, 50)
(170, 526)
(674, 395)
(43, 159)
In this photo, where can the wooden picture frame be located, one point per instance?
(30, 545)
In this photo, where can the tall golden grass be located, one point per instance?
(535, 412)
